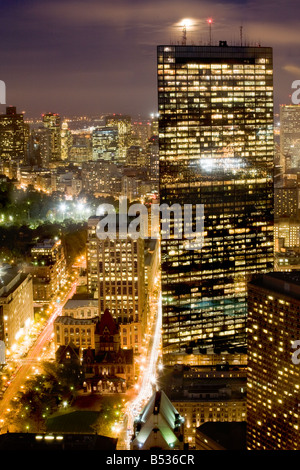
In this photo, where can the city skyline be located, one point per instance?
(65, 56)
(149, 226)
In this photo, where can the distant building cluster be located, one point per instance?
(286, 190)
(114, 155)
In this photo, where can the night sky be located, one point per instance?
(99, 56)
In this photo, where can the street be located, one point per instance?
(147, 382)
(27, 365)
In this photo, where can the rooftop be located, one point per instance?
(66, 320)
(161, 418)
(10, 280)
(46, 244)
(286, 283)
(77, 303)
(229, 435)
(52, 441)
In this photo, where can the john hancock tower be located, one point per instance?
(216, 149)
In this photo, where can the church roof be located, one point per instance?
(107, 322)
(62, 351)
(122, 356)
(158, 416)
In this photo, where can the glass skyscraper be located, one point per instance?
(216, 148)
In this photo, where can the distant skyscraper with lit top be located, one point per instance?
(216, 148)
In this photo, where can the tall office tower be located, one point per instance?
(52, 122)
(216, 149)
(152, 159)
(105, 143)
(116, 273)
(92, 256)
(290, 136)
(273, 419)
(121, 278)
(13, 136)
(81, 149)
(154, 124)
(123, 124)
(286, 202)
(136, 157)
(116, 276)
(66, 141)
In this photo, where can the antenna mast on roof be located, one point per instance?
(184, 35)
(209, 21)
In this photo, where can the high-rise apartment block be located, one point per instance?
(48, 269)
(273, 414)
(16, 305)
(52, 121)
(14, 136)
(105, 143)
(290, 136)
(116, 276)
(216, 148)
(124, 127)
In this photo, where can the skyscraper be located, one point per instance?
(273, 420)
(52, 122)
(105, 143)
(116, 276)
(123, 124)
(290, 136)
(66, 141)
(216, 149)
(14, 135)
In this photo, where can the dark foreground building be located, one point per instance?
(32, 441)
(273, 421)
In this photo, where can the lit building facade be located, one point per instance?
(286, 202)
(216, 148)
(286, 233)
(206, 394)
(14, 136)
(52, 121)
(123, 124)
(81, 308)
(66, 141)
(290, 136)
(108, 367)
(121, 278)
(48, 269)
(105, 143)
(16, 306)
(79, 332)
(273, 419)
(116, 276)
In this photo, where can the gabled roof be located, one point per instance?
(159, 403)
(108, 322)
(161, 418)
(62, 351)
